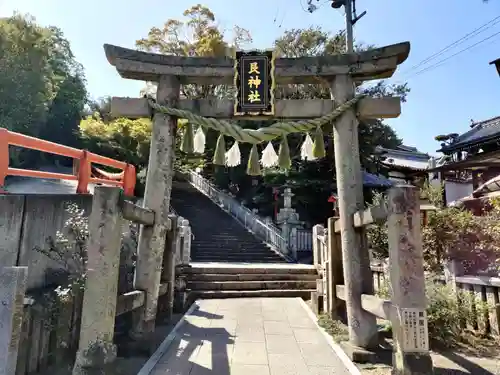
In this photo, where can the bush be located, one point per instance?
(447, 311)
(69, 250)
(454, 233)
(335, 328)
(122, 139)
(451, 233)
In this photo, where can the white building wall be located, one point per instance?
(455, 191)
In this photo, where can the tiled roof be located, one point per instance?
(406, 163)
(371, 180)
(403, 157)
(483, 131)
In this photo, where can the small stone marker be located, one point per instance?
(406, 263)
(12, 287)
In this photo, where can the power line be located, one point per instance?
(439, 63)
(278, 8)
(471, 34)
(403, 80)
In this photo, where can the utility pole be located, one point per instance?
(350, 18)
(348, 30)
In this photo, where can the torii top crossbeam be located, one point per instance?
(368, 65)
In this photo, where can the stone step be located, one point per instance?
(197, 257)
(235, 268)
(231, 245)
(222, 217)
(218, 237)
(252, 285)
(218, 241)
(253, 277)
(214, 240)
(230, 253)
(223, 232)
(232, 250)
(235, 251)
(207, 294)
(247, 261)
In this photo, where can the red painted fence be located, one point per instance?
(83, 172)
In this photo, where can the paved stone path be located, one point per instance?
(246, 336)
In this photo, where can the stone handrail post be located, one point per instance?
(335, 271)
(182, 239)
(183, 242)
(406, 265)
(185, 251)
(167, 270)
(292, 242)
(12, 288)
(96, 348)
(178, 241)
(318, 230)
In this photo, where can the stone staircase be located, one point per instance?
(218, 237)
(228, 261)
(205, 280)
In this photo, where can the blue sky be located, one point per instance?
(443, 99)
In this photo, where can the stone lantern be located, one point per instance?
(288, 219)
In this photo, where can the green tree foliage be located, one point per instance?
(123, 139)
(451, 233)
(42, 86)
(454, 233)
(197, 35)
(23, 58)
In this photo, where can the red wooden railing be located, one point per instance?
(83, 172)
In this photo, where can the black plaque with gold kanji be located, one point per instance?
(254, 82)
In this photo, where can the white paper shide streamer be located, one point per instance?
(306, 150)
(199, 141)
(233, 156)
(269, 157)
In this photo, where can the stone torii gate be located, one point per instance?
(340, 71)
